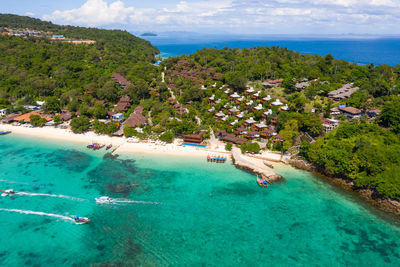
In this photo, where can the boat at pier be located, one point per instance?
(261, 182)
(217, 159)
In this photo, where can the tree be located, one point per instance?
(36, 120)
(253, 148)
(137, 90)
(236, 80)
(228, 146)
(167, 136)
(52, 104)
(289, 85)
(99, 111)
(390, 115)
(57, 119)
(80, 124)
(129, 131)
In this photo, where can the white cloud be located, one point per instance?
(30, 14)
(240, 16)
(94, 13)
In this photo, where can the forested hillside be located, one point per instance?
(34, 67)
(135, 48)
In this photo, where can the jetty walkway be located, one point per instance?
(241, 162)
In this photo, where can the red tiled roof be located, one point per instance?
(120, 79)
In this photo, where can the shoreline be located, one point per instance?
(368, 196)
(121, 146)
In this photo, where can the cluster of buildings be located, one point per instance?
(62, 38)
(238, 109)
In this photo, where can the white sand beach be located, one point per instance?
(118, 142)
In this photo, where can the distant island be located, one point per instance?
(149, 34)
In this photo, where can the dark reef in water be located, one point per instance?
(71, 160)
(239, 189)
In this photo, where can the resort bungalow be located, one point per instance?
(234, 96)
(118, 117)
(233, 123)
(211, 110)
(136, 119)
(267, 133)
(227, 91)
(26, 117)
(211, 99)
(10, 117)
(266, 99)
(351, 112)
(239, 100)
(249, 91)
(329, 124)
(224, 136)
(260, 126)
(240, 115)
(3, 111)
(335, 112)
(124, 104)
(233, 111)
(249, 122)
(249, 104)
(219, 115)
(272, 83)
(240, 130)
(284, 108)
(65, 116)
(277, 103)
(121, 80)
(252, 135)
(344, 92)
(259, 107)
(196, 138)
(267, 113)
(255, 96)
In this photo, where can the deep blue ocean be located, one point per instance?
(360, 50)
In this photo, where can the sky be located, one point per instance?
(220, 16)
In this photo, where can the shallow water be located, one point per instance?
(176, 211)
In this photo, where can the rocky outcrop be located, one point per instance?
(246, 164)
(385, 204)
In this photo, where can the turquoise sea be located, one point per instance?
(175, 211)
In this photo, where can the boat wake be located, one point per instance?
(65, 218)
(13, 182)
(49, 195)
(128, 201)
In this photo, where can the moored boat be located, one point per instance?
(81, 220)
(5, 132)
(109, 146)
(261, 182)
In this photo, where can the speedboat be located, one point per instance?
(81, 220)
(7, 192)
(103, 200)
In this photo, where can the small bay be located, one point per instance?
(176, 211)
